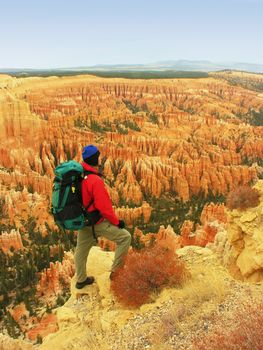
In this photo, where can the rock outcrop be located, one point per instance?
(8, 343)
(212, 212)
(94, 318)
(22, 206)
(131, 215)
(241, 244)
(19, 312)
(213, 220)
(56, 277)
(9, 240)
(45, 326)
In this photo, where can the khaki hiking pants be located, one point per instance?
(85, 241)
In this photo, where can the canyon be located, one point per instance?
(171, 151)
(215, 291)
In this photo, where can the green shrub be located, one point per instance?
(153, 118)
(131, 125)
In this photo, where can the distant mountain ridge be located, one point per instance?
(172, 65)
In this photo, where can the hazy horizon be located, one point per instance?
(57, 34)
(129, 64)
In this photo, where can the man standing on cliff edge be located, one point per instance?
(108, 226)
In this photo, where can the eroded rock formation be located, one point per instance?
(46, 325)
(57, 276)
(212, 212)
(213, 219)
(241, 244)
(177, 137)
(19, 312)
(182, 136)
(22, 206)
(130, 215)
(9, 240)
(8, 343)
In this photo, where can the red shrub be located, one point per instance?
(147, 271)
(243, 197)
(244, 333)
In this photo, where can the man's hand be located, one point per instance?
(121, 224)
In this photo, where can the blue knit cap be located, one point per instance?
(88, 151)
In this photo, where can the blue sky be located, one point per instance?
(57, 33)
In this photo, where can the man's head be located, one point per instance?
(90, 155)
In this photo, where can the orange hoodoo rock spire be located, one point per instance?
(11, 240)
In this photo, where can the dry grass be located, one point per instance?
(162, 347)
(242, 332)
(203, 288)
(75, 336)
(195, 302)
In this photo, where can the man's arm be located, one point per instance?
(103, 202)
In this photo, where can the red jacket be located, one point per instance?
(93, 187)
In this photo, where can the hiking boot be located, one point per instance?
(88, 280)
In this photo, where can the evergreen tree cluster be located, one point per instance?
(19, 270)
(169, 210)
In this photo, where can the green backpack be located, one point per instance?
(67, 207)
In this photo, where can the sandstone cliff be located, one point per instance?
(240, 244)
